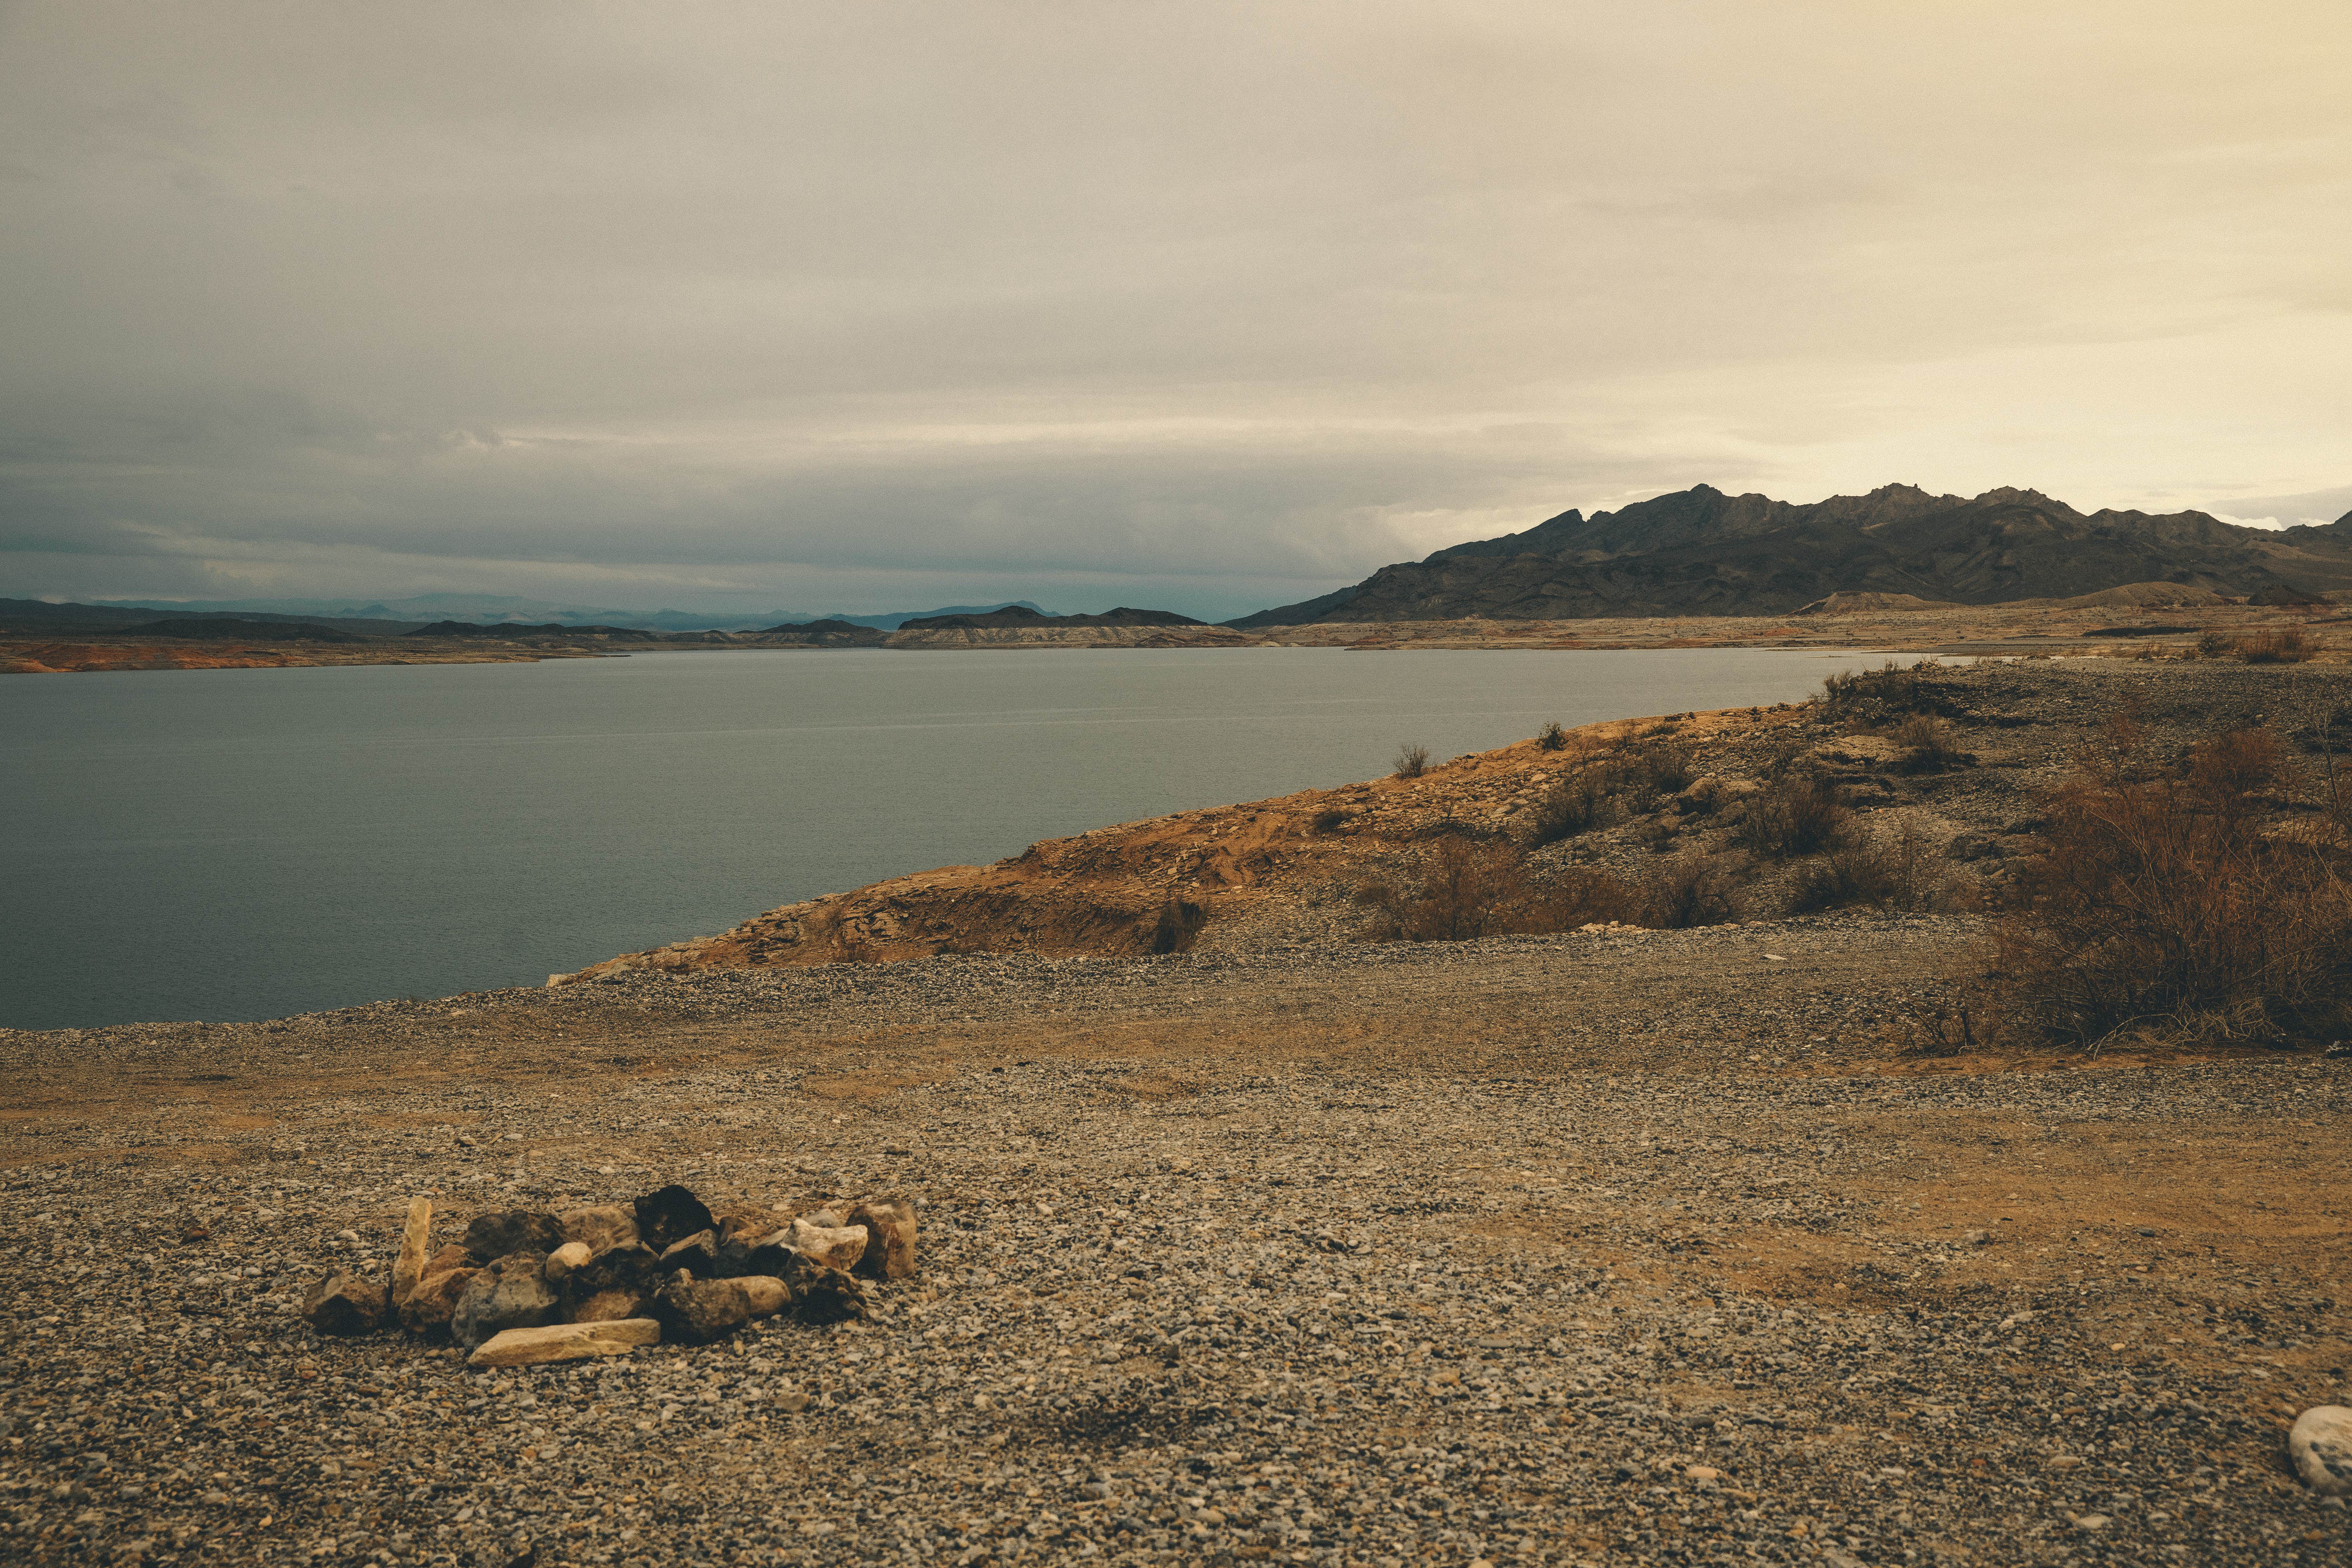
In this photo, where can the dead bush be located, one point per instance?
(2158, 904)
(1472, 887)
(1901, 872)
(1887, 692)
(1551, 737)
(1659, 768)
(2287, 645)
(1411, 761)
(2213, 642)
(1579, 803)
(1930, 747)
(1691, 890)
(1796, 813)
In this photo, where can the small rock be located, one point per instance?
(701, 1311)
(835, 1246)
(602, 1227)
(697, 1254)
(343, 1304)
(2092, 1523)
(565, 1258)
(1976, 1238)
(823, 1295)
(2320, 1447)
(669, 1215)
(764, 1295)
(566, 1342)
(890, 1253)
(495, 1235)
(415, 1237)
(439, 1286)
(511, 1292)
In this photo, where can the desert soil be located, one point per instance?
(1613, 1247)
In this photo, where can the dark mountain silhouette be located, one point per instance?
(1017, 615)
(1701, 552)
(41, 615)
(830, 633)
(505, 631)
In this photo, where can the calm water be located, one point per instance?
(243, 843)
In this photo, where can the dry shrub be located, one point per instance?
(2159, 904)
(2287, 645)
(1472, 887)
(1691, 890)
(1411, 761)
(1890, 690)
(1607, 789)
(1796, 813)
(1551, 737)
(1905, 873)
(1659, 768)
(1581, 802)
(1930, 746)
(2213, 642)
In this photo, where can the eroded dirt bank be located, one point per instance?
(1292, 870)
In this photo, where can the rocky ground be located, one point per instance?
(1624, 1247)
(1614, 1247)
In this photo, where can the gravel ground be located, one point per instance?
(1644, 1247)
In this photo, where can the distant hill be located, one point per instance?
(41, 615)
(830, 633)
(505, 632)
(1028, 616)
(1701, 552)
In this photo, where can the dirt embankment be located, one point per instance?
(1287, 870)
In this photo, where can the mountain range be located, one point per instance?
(420, 609)
(1700, 552)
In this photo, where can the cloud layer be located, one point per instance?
(1200, 306)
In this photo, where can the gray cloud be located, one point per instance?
(1201, 306)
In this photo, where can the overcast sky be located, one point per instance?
(1204, 307)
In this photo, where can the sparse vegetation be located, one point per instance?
(2287, 645)
(1473, 887)
(1691, 890)
(1581, 802)
(1551, 737)
(2160, 904)
(2215, 644)
(1411, 761)
(1893, 687)
(1796, 813)
(1900, 873)
(1929, 745)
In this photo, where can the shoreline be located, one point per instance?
(2065, 629)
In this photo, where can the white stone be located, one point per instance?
(2321, 1448)
(565, 1258)
(566, 1342)
(415, 1245)
(835, 1247)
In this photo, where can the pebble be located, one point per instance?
(2319, 1445)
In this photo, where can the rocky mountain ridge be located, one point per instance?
(1702, 551)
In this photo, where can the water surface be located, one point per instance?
(249, 843)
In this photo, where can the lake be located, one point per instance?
(250, 843)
